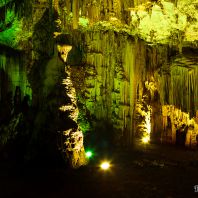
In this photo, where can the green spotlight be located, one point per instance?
(89, 154)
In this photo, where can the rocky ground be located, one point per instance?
(147, 171)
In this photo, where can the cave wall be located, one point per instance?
(118, 71)
(95, 10)
(113, 74)
(127, 81)
(13, 74)
(110, 90)
(178, 127)
(117, 79)
(178, 83)
(124, 76)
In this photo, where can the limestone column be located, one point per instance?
(73, 137)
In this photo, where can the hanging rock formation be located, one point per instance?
(114, 78)
(122, 71)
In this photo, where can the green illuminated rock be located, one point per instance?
(4, 2)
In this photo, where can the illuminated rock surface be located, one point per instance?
(74, 147)
(133, 73)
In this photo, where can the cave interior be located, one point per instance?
(107, 75)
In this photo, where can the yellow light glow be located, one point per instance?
(146, 139)
(105, 165)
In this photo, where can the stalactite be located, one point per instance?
(113, 75)
(2, 61)
(75, 7)
(117, 67)
(56, 5)
(117, 8)
(178, 84)
(109, 82)
(178, 123)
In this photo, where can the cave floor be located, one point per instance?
(146, 171)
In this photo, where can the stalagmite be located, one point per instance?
(73, 144)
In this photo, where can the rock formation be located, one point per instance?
(133, 74)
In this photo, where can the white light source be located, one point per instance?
(105, 165)
(146, 139)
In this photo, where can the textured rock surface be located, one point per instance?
(128, 67)
(178, 127)
(177, 82)
(117, 77)
(73, 143)
(116, 68)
